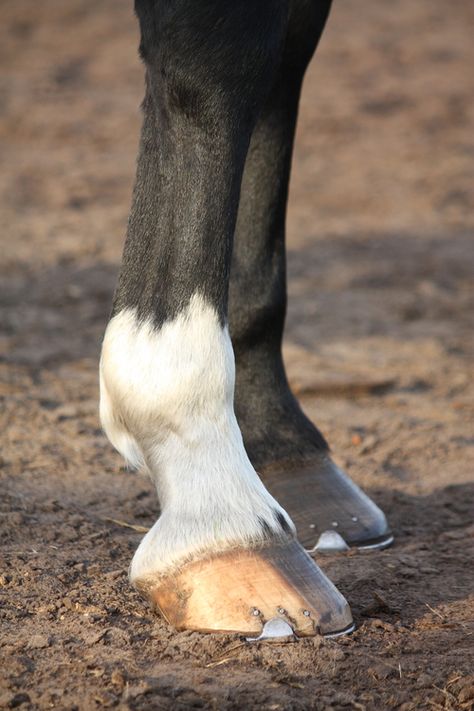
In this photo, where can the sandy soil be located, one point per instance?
(379, 346)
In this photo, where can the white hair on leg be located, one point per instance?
(115, 429)
(167, 400)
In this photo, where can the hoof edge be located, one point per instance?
(241, 591)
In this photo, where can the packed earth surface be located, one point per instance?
(379, 348)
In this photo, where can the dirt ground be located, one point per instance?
(379, 346)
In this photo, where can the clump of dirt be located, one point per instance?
(379, 346)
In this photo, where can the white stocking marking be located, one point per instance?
(167, 401)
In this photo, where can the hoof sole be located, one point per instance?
(243, 591)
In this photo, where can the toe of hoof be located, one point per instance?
(330, 512)
(264, 593)
(330, 542)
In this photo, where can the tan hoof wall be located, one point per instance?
(241, 590)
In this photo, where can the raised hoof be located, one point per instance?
(245, 591)
(329, 511)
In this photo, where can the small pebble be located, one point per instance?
(38, 641)
(18, 700)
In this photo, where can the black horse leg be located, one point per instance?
(289, 452)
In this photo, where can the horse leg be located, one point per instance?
(330, 512)
(222, 555)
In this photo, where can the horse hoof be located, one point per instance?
(268, 592)
(329, 511)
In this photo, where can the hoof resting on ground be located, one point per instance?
(240, 590)
(330, 512)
